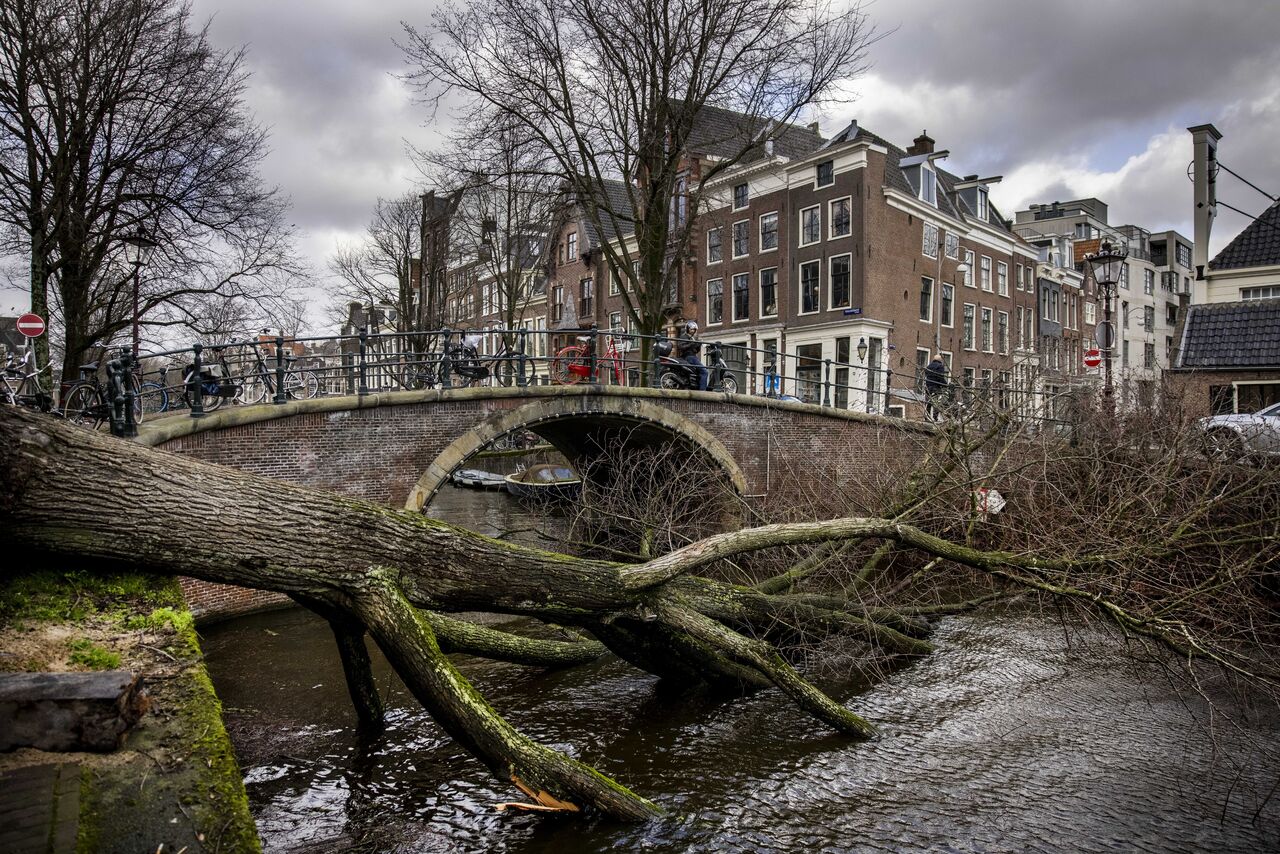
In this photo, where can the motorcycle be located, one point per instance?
(465, 360)
(675, 373)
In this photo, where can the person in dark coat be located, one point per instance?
(935, 386)
(689, 348)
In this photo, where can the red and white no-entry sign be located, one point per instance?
(31, 325)
(1093, 358)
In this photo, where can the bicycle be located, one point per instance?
(298, 383)
(88, 402)
(21, 387)
(572, 364)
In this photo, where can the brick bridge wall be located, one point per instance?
(380, 446)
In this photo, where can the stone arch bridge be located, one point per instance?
(398, 448)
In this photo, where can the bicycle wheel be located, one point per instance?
(84, 406)
(152, 398)
(562, 366)
(415, 376)
(301, 385)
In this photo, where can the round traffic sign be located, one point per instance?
(1093, 358)
(31, 325)
(1105, 334)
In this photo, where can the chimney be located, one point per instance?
(923, 144)
(1204, 144)
(813, 126)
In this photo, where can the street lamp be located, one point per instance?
(1106, 265)
(862, 350)
(137, 251)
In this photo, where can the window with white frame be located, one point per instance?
(740, 196)
(952, 243)
(1002, 278)
(742, 296)
(928, 185)
(1002, 331)
(769, 292)
(1261, 292)
(966, 331)
(571, 251)
(715, 245)
(615, 282)
(986, 330)
(839, 218)
(741, 238)
(840, 272)
(768, 232)
(984, 274)
(715, 301)
(1124, 276)
(825, 173)
(929, 241)
(810, 225)
(1018, 282)
(984, 208)
(1090, 313)
(1021, 340)
(615, 322)
(810, 287)
(926, 298)
(948, 305)
(1148, 282)
(968, 273)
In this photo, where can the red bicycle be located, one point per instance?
(572, 364)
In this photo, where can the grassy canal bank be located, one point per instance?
(174, 784)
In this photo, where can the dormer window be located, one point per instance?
(928, 185)
(826, 173)
(983, 211)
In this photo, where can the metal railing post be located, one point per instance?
(593, 358)
(363, 369)
(446, 361)
(280, 397)
(654, 379)
(195, 388)
(521, 340)
(826, 384)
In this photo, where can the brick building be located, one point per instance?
(868, 256)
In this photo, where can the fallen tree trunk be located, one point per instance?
(71, 496)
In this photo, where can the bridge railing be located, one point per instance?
(275, 369)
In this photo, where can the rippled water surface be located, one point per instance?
(1009, 738)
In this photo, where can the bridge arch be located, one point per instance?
(574, 426)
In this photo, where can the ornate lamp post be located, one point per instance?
(1106, 265)
(137, 251)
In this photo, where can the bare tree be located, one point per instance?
(1138, 529)
(382, 268)
(624, 90)
(115, 116)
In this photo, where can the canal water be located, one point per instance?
(1019, 734)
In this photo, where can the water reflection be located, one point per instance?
(1007, 739)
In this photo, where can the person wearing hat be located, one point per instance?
(688, 347)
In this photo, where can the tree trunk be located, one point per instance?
(73, 495)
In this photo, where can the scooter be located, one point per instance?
(465, 360)
(676, 373)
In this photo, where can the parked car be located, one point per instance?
(1244, 434)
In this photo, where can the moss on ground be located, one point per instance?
(175, 782)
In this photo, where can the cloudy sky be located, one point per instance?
(1064, 100)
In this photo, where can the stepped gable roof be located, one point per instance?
(1232, 335)
(1257, 246)
(720, 132)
